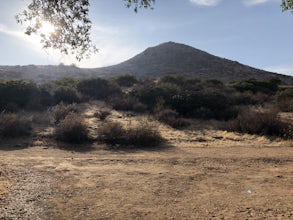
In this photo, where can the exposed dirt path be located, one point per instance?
(186, 182)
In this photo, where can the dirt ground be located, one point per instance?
(199, 174)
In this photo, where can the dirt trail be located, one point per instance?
(186, 182)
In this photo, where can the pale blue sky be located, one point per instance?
(252, 32)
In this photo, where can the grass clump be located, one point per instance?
(72, 129)
(13, 125)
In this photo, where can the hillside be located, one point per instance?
(166, 58)
(174, 58)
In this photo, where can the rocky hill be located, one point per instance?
(174, 58)
(166, 58)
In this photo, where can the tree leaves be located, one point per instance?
(71, 21)
(287, 5)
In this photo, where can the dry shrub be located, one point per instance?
(261, 123)
(111, 133)
(145, 134)
(142, 135)
(102, 114)
(14, 125)
(72, 129)
(61, 110)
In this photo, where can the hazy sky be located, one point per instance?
(252, 32)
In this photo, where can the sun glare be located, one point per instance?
(47, 28)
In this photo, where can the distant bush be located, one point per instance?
(72, 129)
(189, 97)
(125, 80)
(66, 95)
(261, 123)
(98, 88)
(264, 86)
(127, 103)
(17, 95)
(142, 135)
(61, 110)
(148, 94)
(168, 116)
(15, 125)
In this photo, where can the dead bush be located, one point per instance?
(72, 129)
(111, 133)
(145, 134)
(142, 135)
(14, 125)
(61, 110)
(261, 123)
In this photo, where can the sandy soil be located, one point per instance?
(200, 174)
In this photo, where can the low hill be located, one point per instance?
(166, 58)
(175, 58)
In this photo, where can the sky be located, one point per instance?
(253, 32)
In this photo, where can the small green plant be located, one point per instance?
(14, 125)
(72, 129)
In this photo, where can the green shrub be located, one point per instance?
(264, 86)
(125, 80)
(168, 116)
(17, 95)
(72, 129)
(14, 125)
(284, 99)
(127, 103)
(61, 110)
(261, 123)
(66, 95)
(98, 88)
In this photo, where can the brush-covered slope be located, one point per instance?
(175, 58)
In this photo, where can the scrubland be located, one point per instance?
(123, 148)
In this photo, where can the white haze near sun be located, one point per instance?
(252, 32)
